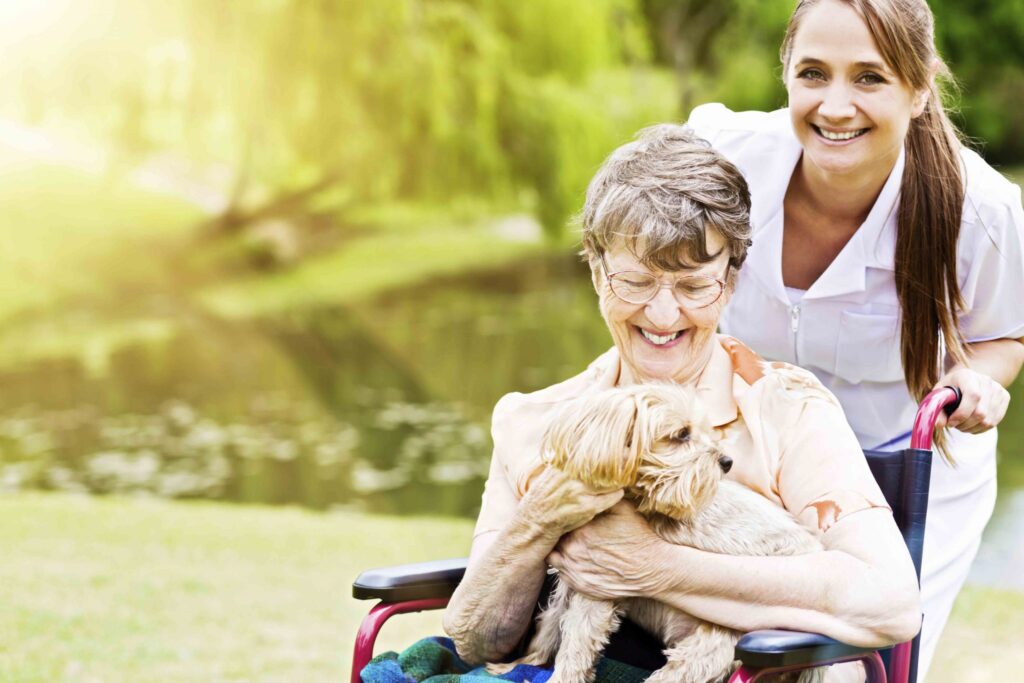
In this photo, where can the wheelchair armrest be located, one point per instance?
(405, 582)
(776, 648)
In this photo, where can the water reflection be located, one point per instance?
(383, 406)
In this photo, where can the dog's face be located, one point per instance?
(680, 465)
(654, 440)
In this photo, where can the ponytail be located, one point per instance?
(928, 225)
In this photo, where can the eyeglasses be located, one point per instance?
(691, 291)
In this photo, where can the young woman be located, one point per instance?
(887, 258)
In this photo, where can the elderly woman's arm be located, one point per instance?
(491, 609)
(861, 590)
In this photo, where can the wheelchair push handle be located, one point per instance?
(944, 400)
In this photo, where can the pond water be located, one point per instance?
(382, 407)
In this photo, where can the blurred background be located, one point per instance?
(290, 253)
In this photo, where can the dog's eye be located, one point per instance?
(682, 436)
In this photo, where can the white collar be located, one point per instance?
(872, 246)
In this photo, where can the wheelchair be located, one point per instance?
(903, 477)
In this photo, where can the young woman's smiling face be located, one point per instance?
(849, 110)
(662, 339)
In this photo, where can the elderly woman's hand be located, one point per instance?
(559, 503)
(616, 555)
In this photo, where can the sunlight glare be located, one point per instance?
(26, 18)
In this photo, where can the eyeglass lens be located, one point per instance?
(639, 288)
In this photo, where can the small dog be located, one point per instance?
(654, 441)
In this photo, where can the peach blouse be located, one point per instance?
(785, 432)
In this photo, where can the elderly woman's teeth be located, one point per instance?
(659, 339)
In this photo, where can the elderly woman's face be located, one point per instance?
(667, 338)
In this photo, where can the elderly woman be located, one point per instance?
(665, 229)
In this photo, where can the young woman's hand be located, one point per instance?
(614, 556)
(983, 404)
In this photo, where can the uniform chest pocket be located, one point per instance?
(869, 348)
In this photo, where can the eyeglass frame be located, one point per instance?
(661, 285)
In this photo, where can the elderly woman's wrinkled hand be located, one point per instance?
(614, 556)
(559, 503)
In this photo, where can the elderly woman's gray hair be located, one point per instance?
(659, 194)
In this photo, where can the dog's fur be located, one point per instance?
(654, 441)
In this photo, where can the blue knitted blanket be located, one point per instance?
(433, 660)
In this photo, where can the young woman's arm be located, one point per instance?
(993, 366)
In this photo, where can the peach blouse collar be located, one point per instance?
(715, 385)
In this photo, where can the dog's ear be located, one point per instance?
(592, 439)
(650, 413)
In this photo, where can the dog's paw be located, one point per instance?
(682, 674)
(530, 659)
(814, 675)
(499, 669)
(579, 677)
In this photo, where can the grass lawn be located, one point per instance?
(95, 589)
(100, 589)
(980, 644)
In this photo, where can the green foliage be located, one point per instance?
(393, 99)
(983, 43)
(511, 102)
(572, 38)
(449, 96)
(721, 50)
(557, 134)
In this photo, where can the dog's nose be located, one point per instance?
(725, 462)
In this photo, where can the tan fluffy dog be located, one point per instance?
(654, 441)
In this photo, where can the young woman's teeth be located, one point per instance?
(829, 135)
(658, 339)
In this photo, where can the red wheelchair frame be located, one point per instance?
(903, 477)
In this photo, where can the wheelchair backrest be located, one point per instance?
(903, 477)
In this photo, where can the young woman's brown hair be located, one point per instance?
(932, 194)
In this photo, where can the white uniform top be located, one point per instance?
(845, 328)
